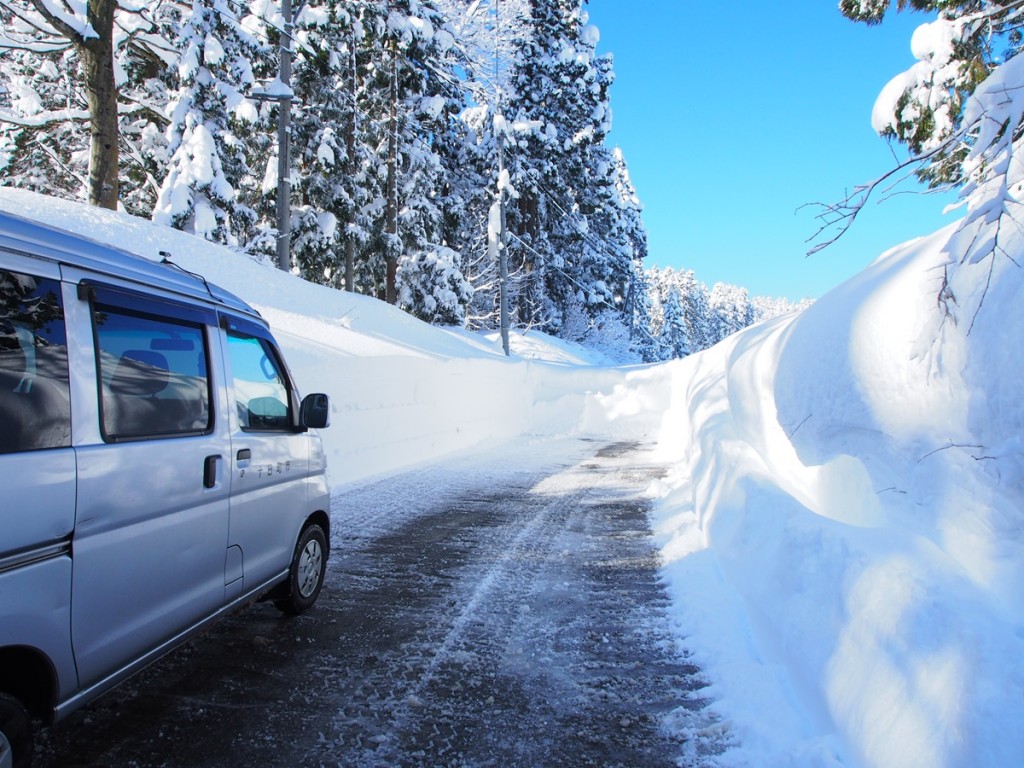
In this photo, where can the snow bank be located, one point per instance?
(843, 531)
(402, 392)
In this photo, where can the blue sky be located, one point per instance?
(731, 119)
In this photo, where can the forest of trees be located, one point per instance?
(438, 150)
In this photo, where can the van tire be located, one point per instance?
(306, 574)
(16, 729)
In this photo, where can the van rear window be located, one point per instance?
(154, 379)
(35, 398)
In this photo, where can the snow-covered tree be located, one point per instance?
(411, 103)
(767, 308)
(43, 147)
(209, 114)
(642, 341)
(924, 107)
(560, 93)
(332, 182)
(81, 97)
(472, 194)
(675, 336)
(486, 34)
(404, 113)
(730, 310)
(685, 318)
(615, 247)
(696, 310)
(630, 230)
(960, 112)
(433, 288)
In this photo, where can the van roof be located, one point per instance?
(41, 240)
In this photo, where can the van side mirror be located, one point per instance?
(315, 412)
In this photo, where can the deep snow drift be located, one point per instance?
(843, 535)
(842, 527)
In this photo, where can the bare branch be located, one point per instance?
(946, 298)
(984, 293)
(845, 212)
(797, 427)
(955, 445)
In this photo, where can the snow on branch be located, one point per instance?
(43, 119)
(69, 18)
(977, 149)
(52, 117)
(29, 31)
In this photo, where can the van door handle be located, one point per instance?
(210, 471)
(244, 455)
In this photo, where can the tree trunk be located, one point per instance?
(97, 54)
(98, 67)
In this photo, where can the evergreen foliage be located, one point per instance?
(64, 120)
(209, 160)
(960, 113)
(425, 136)
(685, 317)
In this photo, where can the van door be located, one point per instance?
(37, 464)
(269, 488)
(149, 550)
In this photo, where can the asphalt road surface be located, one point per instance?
(496, 610)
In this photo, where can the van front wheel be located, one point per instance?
(306, 575)
(15, 734)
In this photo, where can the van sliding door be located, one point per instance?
(153, 507)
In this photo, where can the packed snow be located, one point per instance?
(841, 533)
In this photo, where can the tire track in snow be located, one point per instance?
(555, 650)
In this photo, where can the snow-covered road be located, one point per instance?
(501, 608)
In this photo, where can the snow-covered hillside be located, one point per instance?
(842, 528)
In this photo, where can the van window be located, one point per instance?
(153, 375)
(35, 398)
(261, 390)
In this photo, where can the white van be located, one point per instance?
(157, 470)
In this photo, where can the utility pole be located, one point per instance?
(392, 249)
(284, 184)
(503, 241)
(350, 154)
